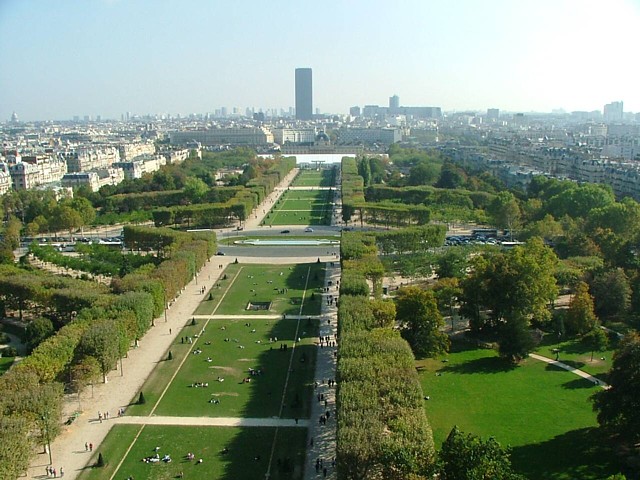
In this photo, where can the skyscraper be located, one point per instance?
(613, 112)
(394, 102)
(304, 94)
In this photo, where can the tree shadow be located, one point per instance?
(584, 453)
(578, 383)
(481, 365)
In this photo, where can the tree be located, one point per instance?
(85, 372)
(618, 407)
(384, 312)
(447, 291)
(469, 457)
(517, 284)
(424, 173)
(420, 320)
(101, 342)
(195, 190)
(505, 210)
(597, 340)
(515, 340)
(452, 264)
(580, 317)
(451, 176)
(37, 331)
(611, 292)
(15, 447)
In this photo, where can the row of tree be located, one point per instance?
(98, 331)
(383, 431)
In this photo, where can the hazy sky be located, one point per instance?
(60, 58)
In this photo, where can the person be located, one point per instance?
(61, 472)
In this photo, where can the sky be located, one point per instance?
(61, 58)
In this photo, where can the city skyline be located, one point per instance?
(107, 57)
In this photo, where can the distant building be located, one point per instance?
(493, 113)
(283, 136)
(304, 94)
(354, 111)
(613, 112)
(94, 179)
(394, 102)
(385, 136)
(249, 136)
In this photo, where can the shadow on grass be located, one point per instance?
(584, 454)
(578, 383)
(289, 450)
(481, 365)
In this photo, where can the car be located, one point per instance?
(285, 231)
(220, 253)
(239, 228)
(308, 229)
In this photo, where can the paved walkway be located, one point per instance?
(212, 421)
(68, 448)
(321, 441)
(571, 369)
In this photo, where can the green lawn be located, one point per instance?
(301, 207)
(248, 454)
(313, 178)
(234, 348)
(543, 412)
(264, 283)
(5, 364)
(573, 352)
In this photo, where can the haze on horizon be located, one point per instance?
(106, 57)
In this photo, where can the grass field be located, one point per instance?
(543, 412)
(5, 364)
(233, 349)
(249, 450)
(301, 207)
(573, 352)
(313, 178)
(262, 283)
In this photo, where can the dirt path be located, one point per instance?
(68, 450)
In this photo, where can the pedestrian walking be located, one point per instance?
(91, 447)
(86, 447)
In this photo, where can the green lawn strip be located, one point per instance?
(575, 353)
(113, 448)
(252, 285)
(528, 407)
(247, 457)
(5, 364)
(213, 295)
(313, 179)
(157, 381)
(261, 396)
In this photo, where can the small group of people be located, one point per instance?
(199, 385)
(52, 472)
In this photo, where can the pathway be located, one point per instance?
(321, 441)
(571, 369)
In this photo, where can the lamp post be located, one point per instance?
(45, 420)
(164, 299)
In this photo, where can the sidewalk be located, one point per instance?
(571, 369)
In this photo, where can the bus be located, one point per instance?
(485, 232)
